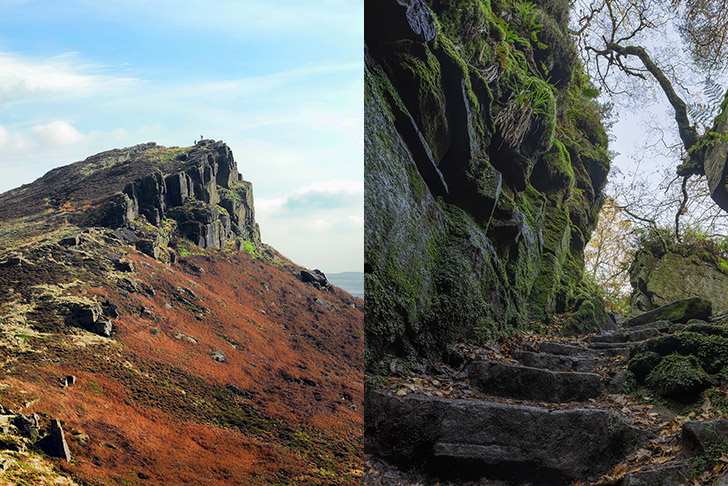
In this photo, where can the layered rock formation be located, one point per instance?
(200, 189)
(485, 159)
(148, 192)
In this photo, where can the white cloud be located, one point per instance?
(23, 79)
(320, 225)
(57, 133)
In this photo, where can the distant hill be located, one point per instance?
(352, 282)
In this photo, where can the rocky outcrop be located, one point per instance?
(658, 277)
(476, 223)
(202, 191)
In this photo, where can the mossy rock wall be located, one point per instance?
(485, 159)
(660, 278)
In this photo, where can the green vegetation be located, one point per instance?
(677, 375)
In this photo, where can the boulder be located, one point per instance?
(528, 383)
(705, 438)
(27, 425)
(673, 475)
(653, 278)
(679, 311)
(54, 444)
(89, 316)
(219, 356)
(316, 276)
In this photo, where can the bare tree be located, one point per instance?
(617, 41)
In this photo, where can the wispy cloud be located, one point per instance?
(321, 196)
(24, 79)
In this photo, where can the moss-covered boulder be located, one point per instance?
(678, 376)
(679, 311)
(659, 278)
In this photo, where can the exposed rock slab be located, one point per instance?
(625, 336)
(528, 383)
(674, 475)
(555, 362)
(679, 311)
(553, 347)
(705, 437)
(55, 444)
(512, 442)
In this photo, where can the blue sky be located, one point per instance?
(280, 82)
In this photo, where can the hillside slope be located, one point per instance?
(199, 354)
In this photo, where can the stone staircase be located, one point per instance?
(551, 412)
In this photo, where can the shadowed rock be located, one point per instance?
(54, 444)
(494, 440)
(532, 383)
(674, 475)
(555, 362)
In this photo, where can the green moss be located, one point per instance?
(589, 316)
(415, 182)
(677, 376)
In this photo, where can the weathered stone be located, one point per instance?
(219, 356)
(126, 234)
(89, 317)
(316, 276)
(54, 444)
(705, 438)
(70, 240)
(673, 475)
(102, 327)
(124, 265)
(624, 337)
(69, 380)
(527, 383)
(554, 347)
(27, 425)
(483, 439)
(110, 309)
(557, 362)
(680, 311)
(654, 282)
(406, 19)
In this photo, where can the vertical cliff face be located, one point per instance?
(485, 159)
(200, 189)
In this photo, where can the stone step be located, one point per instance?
(486, 440)
(625, 336)
(555, 362)
(612, 349)
(527, 383)
(662, 326)
(553, 347)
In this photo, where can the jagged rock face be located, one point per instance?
(654, 282)
(474, 228)
(191, 195)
